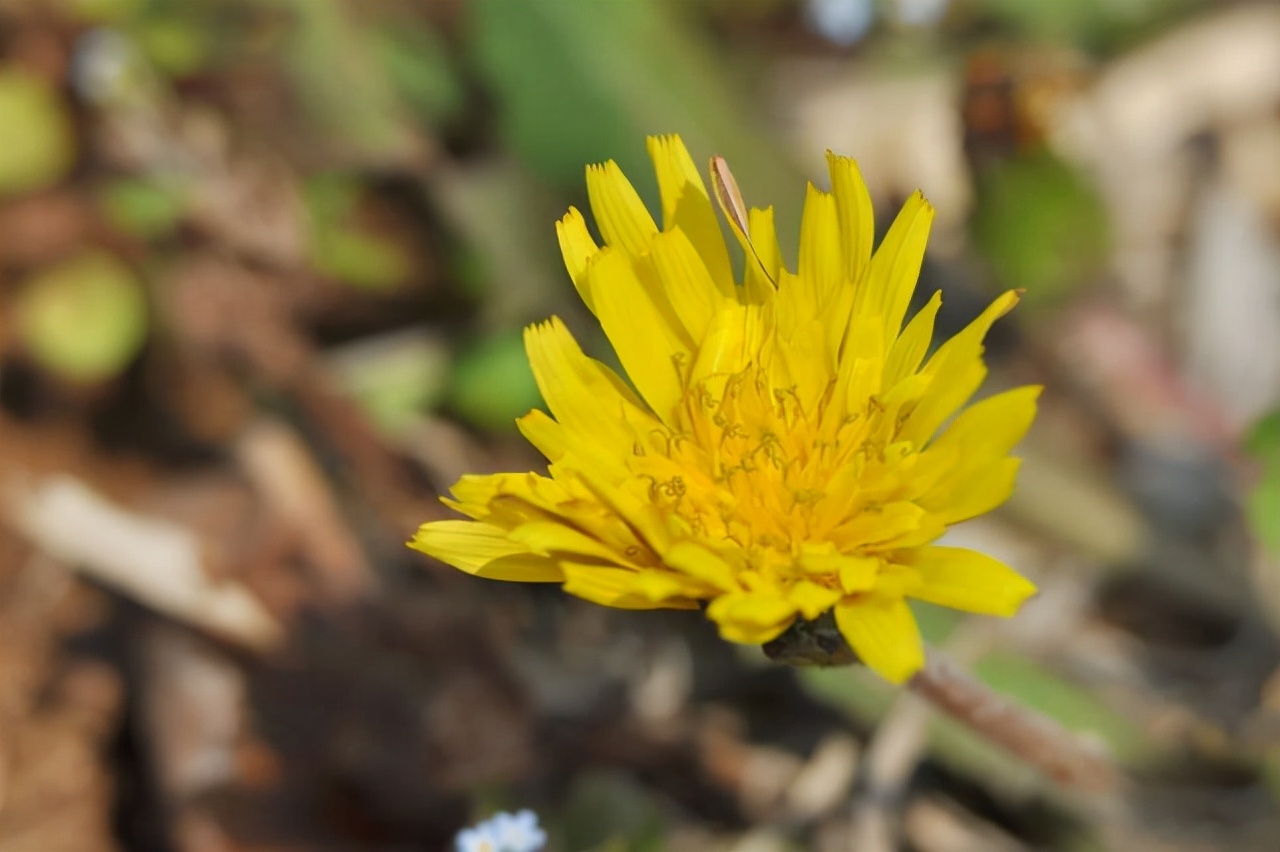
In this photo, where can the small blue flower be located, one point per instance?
(503, 832)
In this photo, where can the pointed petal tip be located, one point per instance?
(658, 141)
(883, 633)
(571, 223)
(926, 206)
(836, 160)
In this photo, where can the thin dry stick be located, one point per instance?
(1021, 731)
(1035, 738)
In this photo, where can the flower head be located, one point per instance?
(785, 447)
(503, 832)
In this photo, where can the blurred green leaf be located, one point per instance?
(1271, 771)
(611, 812)
(1263, 443)
(331, 197)
(1076, 708)
(853, 689)
(339, 248)
(84, 319)
(492, 382)
(936, 623)
(1040, 226)
(418, 63)
(332, 58)
(37, 144)
(177, 46)
(581, 81)
(362, 259)
(142, 207)
(394, 377)
(104, 11)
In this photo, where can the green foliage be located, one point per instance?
(418, 62)
(936, 623)
(331, 57)
(579, 81)
(145, 208)
(177, 46)
(1271, 771)
(394, 378)
(104, 11)
(37, 146)
(611, 812)
(84, 319)
(1040, 226)
(492, 382)
(341, 249)
(359, 258)
(1263, 502)
(1077, 709)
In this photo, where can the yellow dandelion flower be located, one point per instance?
(786, 446)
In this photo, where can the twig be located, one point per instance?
(1023, 732)
(1019, 730)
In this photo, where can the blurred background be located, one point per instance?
(264, 266)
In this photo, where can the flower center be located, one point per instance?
(762, 467)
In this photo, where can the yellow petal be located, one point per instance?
(978, 494)
(639, 516)
(881, 526)
(559, 540)
(619, 588)
(753, 617)
(686, 207)
(701, 564)
(858, 573)
(620, 215)
(977, 475)
(485, 551)
(992, 426)
(913, 344)
(577, 247)
(487, 488)
(659, 586)
(895, 267)
(582, 398)
(761, 278)
(857, 219)
(855, 573)
(968, 580)
(956, 370)
(822, 263)
(689, 289)
(898, 581)
(545, 434)
(649, 339)
(804, 363)
(733, 340)
(882, 631)
(812, 599)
